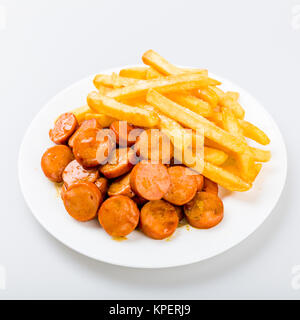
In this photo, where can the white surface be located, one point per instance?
(243, 212)
(47, 45)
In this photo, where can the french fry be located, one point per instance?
(121, 111)
(225, 178)
(260, 155)
(245, 160)
(113, 81)
(154, 60)
(219, 92)
(215, 156)
(194, 121)
(81, 112)
(252, 132)
(208, 95)
(153, 74)
(229, 101)
(193, 103)
(176, 83)
(102, 119)
(134, 72)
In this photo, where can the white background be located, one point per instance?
(47, 45)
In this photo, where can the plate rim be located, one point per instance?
(134, 265)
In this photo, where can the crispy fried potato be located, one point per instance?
(193, 103)
(215, 156)
(102, 119)
(81, 112)
(228, 101)
(176, 83)
(208, 95)
(121, 111)
(113, 81)
(260, 155)
(252, 132)
(194, 121)
(153, 74)
(154, 60)
(134, 72)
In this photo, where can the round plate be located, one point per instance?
(244, 212)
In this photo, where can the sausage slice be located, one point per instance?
(92, 123)
(122, 131)
(102, 185)
(150, 181)
(210, 186)
(121, 186)
(158, 219)
(75, 172)
(200, 181)
(204, 211)
(118, 216)
(120, 162)
(183, 185)
(154, 145)
(54, 161)
(92, 147)
(82, 200)
(64, 127)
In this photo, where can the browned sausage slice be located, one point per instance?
(122, 131)
(54, 161)
(92, 147)
(64, 127)
(179, 211)
(63, 190)
(150, 181)
(120, 162)
(75, 172)
(92, 123)
(82, 200)
(121, 186)
(183, 185)
(102, 185)
(118, 216)
(200, 181)
(154, 145)
(204, 211)
(158, 219)
(210, 186)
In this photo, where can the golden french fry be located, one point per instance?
(225, 178)
(245, 160)
(208, 95)
(102, 119)
(194, 121)
(176, 83)
(252, 132)
(234, 95)
(228, 101)
(81, 112)
(153, 74)
(219, 92)
(193, 103)
(121, 111)
(260, 155)
(215, 156)
(154, 60)
(134, 72)
(113, 81)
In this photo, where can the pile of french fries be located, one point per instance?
(161, 95)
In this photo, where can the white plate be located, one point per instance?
(244, 212)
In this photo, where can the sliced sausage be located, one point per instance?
(75, 172)
(120, 162)
(139, 200)
(102, 185)
(63, 190)
(150, 181)
(92, 123)
(154, 145)
(158, 219)
(210, 186)
(121, 186)
(118, 216)
(204, 211)
(54, 161)
(122, 131)
(82, 200)
(64, 127)
(179, 211)
(200, 181)
(92, 147)
(183, 185)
